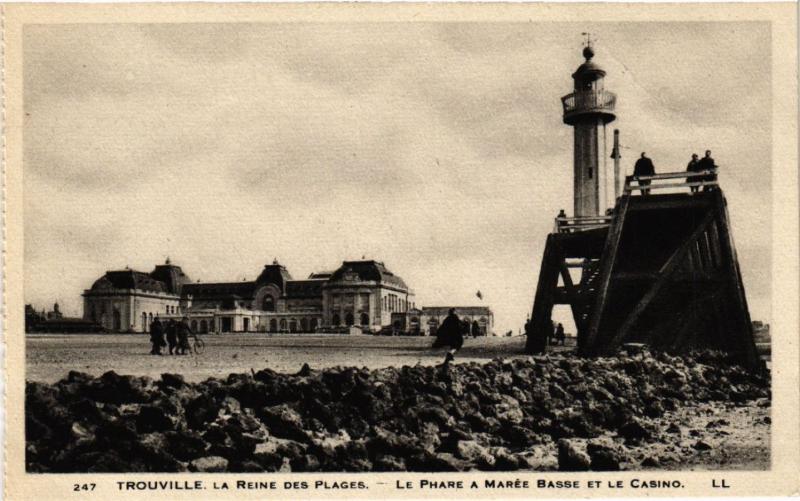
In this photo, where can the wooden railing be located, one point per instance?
(706, 178)
(573, 224)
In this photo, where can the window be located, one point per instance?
(167, 310)
(268, 304)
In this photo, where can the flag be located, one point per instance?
(480, 296)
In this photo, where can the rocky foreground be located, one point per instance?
(542, 413)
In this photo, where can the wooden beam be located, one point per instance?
(572, 295)
(607, 261)
(546, 290)
(738, 300)
(689, 245)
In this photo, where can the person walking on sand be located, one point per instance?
(156, 336)
(449, 334)
(183, 331)
(560, 336)
(172, 337)
(644, 167)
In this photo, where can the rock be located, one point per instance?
(635, 430)
(151, 418)
(386, 462)
(475, 453)
(508, 410)
(650, 462)
(283, 421)
(209, 464)
(604, 455)
(571, 457)
(172, 380)
(701, 445)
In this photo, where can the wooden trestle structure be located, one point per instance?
(660, 270)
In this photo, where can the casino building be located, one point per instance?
(359, 295)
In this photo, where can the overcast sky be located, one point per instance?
(437, 148)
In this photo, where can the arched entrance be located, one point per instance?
(364, 319)
(194, 325)
(293, 325)
(304, 325)
(273, 325)
(336, 321)
(348, 319)
(117, 321)
(314, 325)
(203, 326)
(283, 325)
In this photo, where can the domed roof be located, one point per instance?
(368, 270)
(589, 69)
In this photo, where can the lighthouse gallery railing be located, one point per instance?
(588, 101)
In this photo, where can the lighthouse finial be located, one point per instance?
(588, 51)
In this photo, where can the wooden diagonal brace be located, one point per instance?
(663, 277)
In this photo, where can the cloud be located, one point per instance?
(435, 147)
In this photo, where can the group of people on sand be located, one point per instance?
(644, 167)
(177, 336)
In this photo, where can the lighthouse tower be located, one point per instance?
(588, 109)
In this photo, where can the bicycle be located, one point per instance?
(198, 345)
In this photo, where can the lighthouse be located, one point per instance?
(588, 109)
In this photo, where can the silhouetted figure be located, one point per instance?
(707, 163)
(561, 338)
(156, 336)
(449, 334)
(476, 329)
(693, 166)
(172, 336)
(644, 167)
(183, 331)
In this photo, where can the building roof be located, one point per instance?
(460, 310)
(320, 274)
(369, 270)
(172, 276)
(298, 289)
(224, 290)
(274, 273)
(129, 279)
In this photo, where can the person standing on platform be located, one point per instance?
(707, 164)
(644, 167)
(693, 166)
(449, 334)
